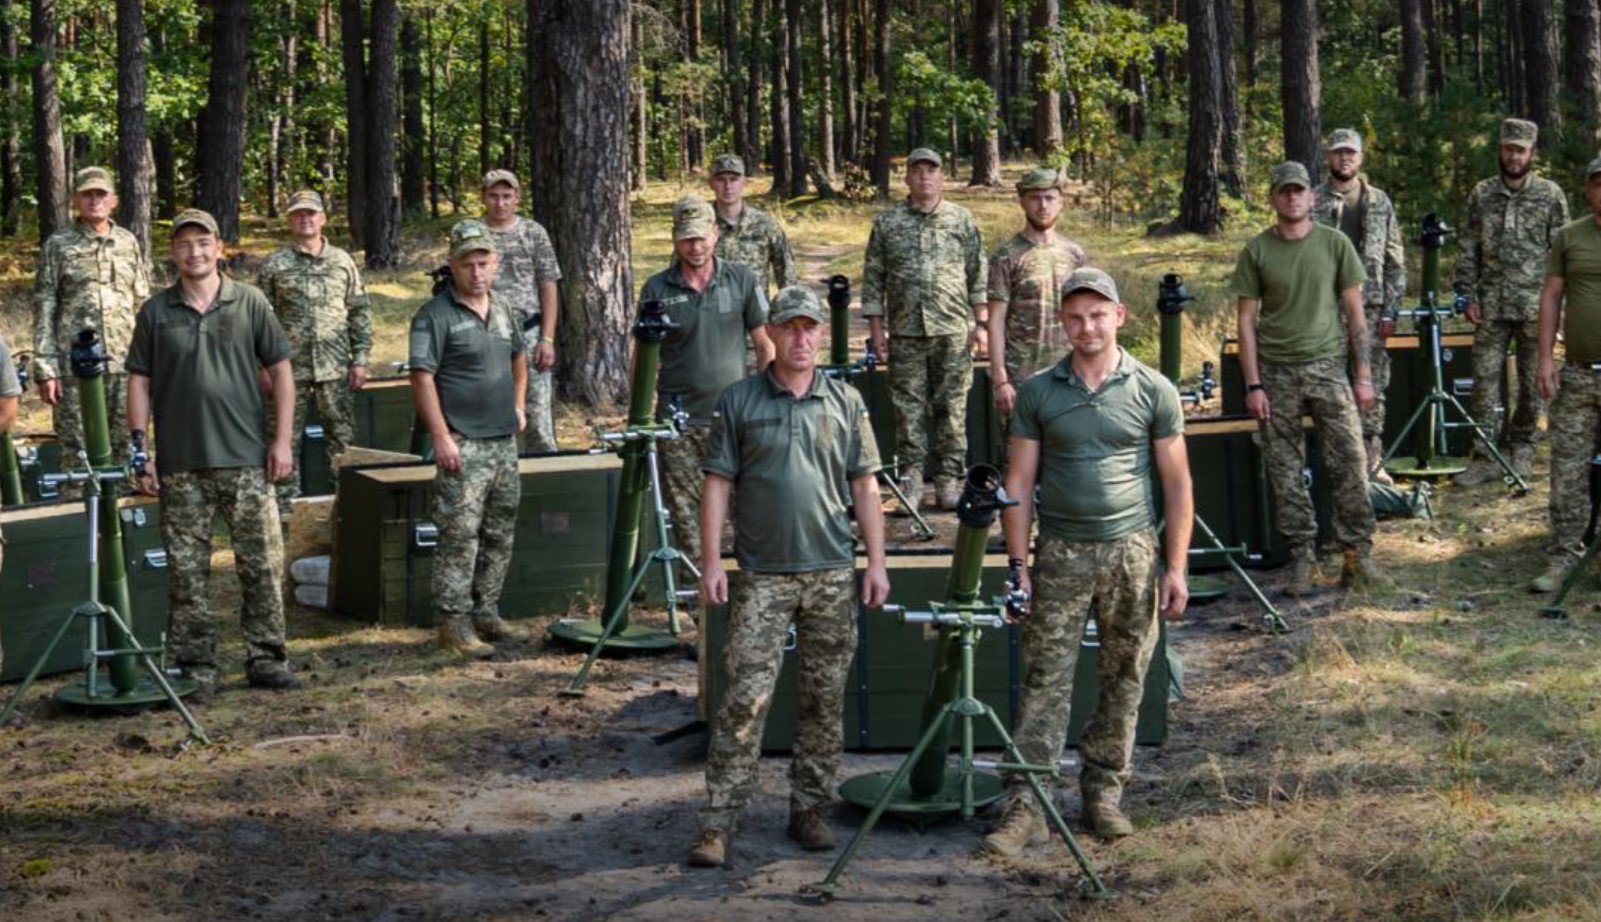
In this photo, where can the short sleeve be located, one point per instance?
(141, 351)
(272, 346)
(1556, 262)
(1247, 279)
(9, 385)
(864, 460)
(755, 306)
(1167, 415)
(1025, 414)
(1351, 273)
(999, 284)
(426, 341)
(722, 445)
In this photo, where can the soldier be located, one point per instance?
(1571, 297)
(92, 275)
(1293, 281)
(197, 352)
(316, 290)
(1505, 238)
(1345, 201)
(527, 281)
(469, 370)
(745, 234)
(716, 303)
(1089, 433)
(794, 440)
(923, 282)
(10, 397)
(1025, 275)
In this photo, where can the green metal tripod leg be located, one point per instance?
(613, 620)
(195, 730)
(38, 666)
(920, 523)
(1270, 614)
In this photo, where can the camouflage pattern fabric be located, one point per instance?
(1504, 241)
(822, 606)
(526, 259)
(758, 242)
(189, 502)
(682, 484)
(1490, 342)
(336, 407)
(476, 513)
(540, 437)
(1575, 423)
(1027, 277)
(1116, 579)
(1379, 370)
(86, 281)
(1322, 390)
(323, 308)
(928, 379)
(68, 422)
(1381, 249)
(924, 272)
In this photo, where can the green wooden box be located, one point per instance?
(385, 539)
(43, 578)
(888, 682)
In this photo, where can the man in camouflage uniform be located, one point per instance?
(316, 290)
(1090, 433)
(469, 371)
(92, 275)
(1505, 238)
(194, 363)
(1363, 213)
(793, 441)
(1571, 297)
(717, 304)
(746, 234)
(922, 283)
(10, 397)
(1025, 277)
(527, 281)
(1294, 281)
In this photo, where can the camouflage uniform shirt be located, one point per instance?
(86, 280)
(1383, 260)
(323, 308)
(757, 242)
(1504, 239)
(924, 271)
(526, 259)
(1026, 277)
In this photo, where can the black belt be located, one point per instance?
(531, 322)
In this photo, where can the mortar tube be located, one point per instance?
(113, 568)
(10, 472)
(839, 333)
(634, 479)
(1423, 446)
(1172, 345)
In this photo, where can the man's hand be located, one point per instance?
(50, 391)
(358, 377)
(522, 420)
(875, 586)
(980, 342)
(714, 586)
(1257, 405)
(1366, 397)
(1175, 594)
(447, 456)
(1025, 585)
(1005, 397)
(1546, 375)
(544, 356)
(280, 463)
(880, 345)
(1474, 313)
(148, 483)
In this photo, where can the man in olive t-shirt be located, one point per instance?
(1090, 432)
(1572, 295)
(1293, 281)
(793, 441)
(10, 397)
(198, 351)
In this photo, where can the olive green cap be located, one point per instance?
(693, 217)
(1090, 279)
(1344, 139)
(728, 163)
(196, 217)
(924, 154)
(1519, 132)
(93, 177)
(1290, 173)
(1039, 178)
(470, 236)
(494, 178)
(796, 301)
(304, 200)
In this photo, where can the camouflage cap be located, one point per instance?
(1039, 178)
(1344, 139)
(93, 177)
(1593, 168)
(924, 154)
(469, 236)
(1090, 279)
(1290, 173)
(1520, 132)
(796, 301)
(494, 178)
(304, 200)
(196, 217)
(728, 163)
(692, 217)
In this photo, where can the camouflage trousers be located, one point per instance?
(190, 500)
(336, 407)
(476, 513)
(822, 607)
(540, 436)
(1321, 390)
(1575, 423)
(68, 423)
(1116, 580)
(682, 484)
(1490, 342)
(1379, 365)
(928, 381)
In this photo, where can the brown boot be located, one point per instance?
(810, 829)
(710, 850)
(1556, 572)
(456, 635)
(947, 492)
(1021, 827)
(1360, 574)
(1303, 573)
(498, 628)
(1376, 471)
(1106, 820)
(1480, 470)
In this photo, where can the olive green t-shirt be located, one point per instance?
(1095, 448)
(707, 352)
(1576, 257)
(791, 460)
(10, 386)
(470, 358)
(1298, 283)
(203, 369)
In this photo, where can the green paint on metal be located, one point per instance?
(1206, 588)
(864, 790)
(632, 637)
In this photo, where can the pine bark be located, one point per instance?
(352, 40)
(221, 151)
(1232, 151)
(413, 181)
(883, 109)
(383, 204)
(1302, 89)
(49, 147)
(987, 67)
(1047, 102)
(794, 87)
(133, 147)
(826, 13)
(1541, 71)
(1200, 208)
(1583, 64)
(1413, 77)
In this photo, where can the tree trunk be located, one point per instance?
(1302, 88)
(133, 169)
(413, 184)
(639, 143)
(581, 105)
(1200, 209)
(1250, 28)
(1414, 79)
(1047, 102)
(825, 89)
(1512, 68)
(433, 114)
(752, 154)
(883, 107)
(1583, 70)
(352, 36)
(1541, 71)
(383, 205)
(1231, 151)
(794, 86)
(1436, 51)
(734, 68)
(486, 128)
(987, 67)
(782, 164)
(11, 146)
(49, 147)
(850, 142)
(221, 151)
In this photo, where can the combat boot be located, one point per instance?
(948, 493)
(205, 679)
(1523, 460)
(1376, 471)
(270, 673)
(1360, 574)
(1480, 470)
(810, 829)
(1303, 573)
(1104, 818)
(1022, 826)
(710, 850)
(456, 635)
(1556, 572)
(497, 628)
(910, 483)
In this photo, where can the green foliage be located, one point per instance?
(942, 94)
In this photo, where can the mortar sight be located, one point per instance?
(653, 324)
(839, 292)
(88, 356)
(1171, 295)
(1435, 232)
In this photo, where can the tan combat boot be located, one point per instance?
(1022, 826)
(1303, 573)
(810, 829)
(1376, 471)
(1480, 470)
(498, 628)
(1523, 460)
(1360, 574)
(710, 850)
(456, 635)
(947, 493)
(1104, 818)
(1556, 572)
